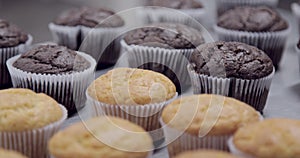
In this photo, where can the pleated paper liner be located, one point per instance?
(67, 89)
(272, 43)
(298, 54)
(236, 151)
(68, 36)
(5, 54)
(224, 5)
(146, 116)
(174, 61)
(32, 143)
(296, 11)
(253, 92)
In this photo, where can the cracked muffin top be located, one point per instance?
(165, 35)
(271, 138)
(11, 35)
(23, 109)
(198, 115)
(10, 154)
(231, 59)
(89, 17)
(51, 59)
(252, 19)
(177, 4)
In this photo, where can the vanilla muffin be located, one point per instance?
(206, 120)
(104, 136)
(28, 120)
(10, 154)
(272, 138)
(126, 86)
(205, 154)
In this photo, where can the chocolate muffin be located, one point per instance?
(260, 26)
(232, 69)
(176, 4)
(89, 17)
(11, 40)
(231, 60)
(51, 59)
(253, 19)
(55, 70)
(170, 41)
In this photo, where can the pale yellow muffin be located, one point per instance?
(23, 109)
(205, 154)
(10, 154)
(208, 115)
(127, 86)
(272, 138)
(104, 136)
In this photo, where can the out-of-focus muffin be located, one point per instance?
(205, 154)
(104, 136)
(10, 154)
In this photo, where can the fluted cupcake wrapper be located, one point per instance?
(298, 54)
(67, 89)
(182, 16)
(5, 54)
(175, 59)
(95, 41)
(236, 151)
(68, 36)
(179, 141)
(296, 10)
(146, 116)
(272, 43)
(253, 92)
(32, 143)
(223, 5)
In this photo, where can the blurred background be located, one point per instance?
(33, 16)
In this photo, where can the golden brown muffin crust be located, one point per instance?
(104, 136)
(126, 86)
(10, 154)
(200, 112)
(23, 109)
(205, 154)
(272, 138)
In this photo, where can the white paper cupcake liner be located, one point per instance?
(68, 36)
(298, 54)
(182, 16)
(146, 116)
(223, 5)
(67, 89)
(296, 10)
(179, 141)
(175, 59)
(5, 54)
(272, 43)
(253, 92)
(96, 40)
(32, 143)
(236, 151)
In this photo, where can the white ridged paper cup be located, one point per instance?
(68, 36)
(5, 54)
(253, 92)
(224, 5)
(32, 143)
(67, 89)
(296, 11)
(272, 43)
(175, 59)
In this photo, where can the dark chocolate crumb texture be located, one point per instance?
(11, 35)
(177, 4)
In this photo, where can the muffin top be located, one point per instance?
(177, 4)
(51, 59)
(231, 59)
(252, 19)
(165, 35)
(11, 35)
(126, 86)
(105, 136)
(272, 138)
(208, 114)
(89, 17)
(10, 154)
(23, 109)
(205, 154)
